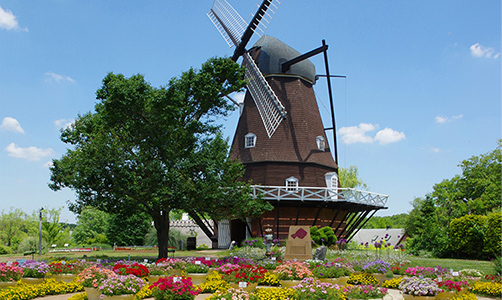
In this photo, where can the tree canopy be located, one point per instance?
(477, 191)
(157, 149)
(349, 178)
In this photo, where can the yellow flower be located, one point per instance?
(274, 293)
(392, 283)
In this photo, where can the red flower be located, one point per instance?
(135, 269)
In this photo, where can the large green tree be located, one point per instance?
(128, 229)
(91, 226)
(476, 191)
(158, 149)
(13, 226)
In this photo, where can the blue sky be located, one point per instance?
(423, 87)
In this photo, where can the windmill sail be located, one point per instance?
(228, 22)
(236, 33)
(270, 108)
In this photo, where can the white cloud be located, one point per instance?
(11, 124)
(478, 50)
(29, 153)
(51, 76)
(434, 150)
(388, 135)
(8, 21)
(442, 119)
(357, 134)
(48, 164)
(63, 123)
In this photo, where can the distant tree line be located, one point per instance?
(19, 232)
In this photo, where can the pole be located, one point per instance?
(40, 232)
(331, 102)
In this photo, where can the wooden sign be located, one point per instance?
(298, 245)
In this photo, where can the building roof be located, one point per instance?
(392, 236)
(274, 53)
(295, 139)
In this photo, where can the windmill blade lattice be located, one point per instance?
(237, 32)
(268, 15)
(228, 22)
(271, 110)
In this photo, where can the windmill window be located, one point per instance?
(321, 143)
(331, 179)
(250, 140)
(292, 184)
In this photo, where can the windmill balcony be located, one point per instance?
(320, 194)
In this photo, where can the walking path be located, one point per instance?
(392, 295)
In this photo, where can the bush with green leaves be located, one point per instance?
(5, 250)
(497, 265)
(30, 244)
(324, 236)
(493, 236)
(467, 236)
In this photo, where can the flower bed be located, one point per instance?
(234, 270)
(121, 285)
(35, 269)
(416, 286)
(292, 270)
(311, 289)
(392, 283)
(168, 288)
(90, 277)
(364, 292)
(10, 272)
(23, 291)
(63, 267)
(242, 273)
(135, 269)
(490, 289)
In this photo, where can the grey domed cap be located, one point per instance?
(274, 53)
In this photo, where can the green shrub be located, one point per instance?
(497, 265)
(493, 237)
(30, 244)
(203, 247)
(5, 249)
(467, 235)
(324, 236)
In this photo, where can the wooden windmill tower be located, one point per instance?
(280, 137)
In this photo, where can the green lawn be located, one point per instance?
(456, 264)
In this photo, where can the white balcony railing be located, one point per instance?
(280, 193)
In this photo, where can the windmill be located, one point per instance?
(280, 137)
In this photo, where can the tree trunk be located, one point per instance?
(161, 223)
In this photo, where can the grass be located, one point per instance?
(456, 264)
(138, 255)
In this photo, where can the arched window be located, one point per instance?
(250, 140)
(292, 184)
(321, 143)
